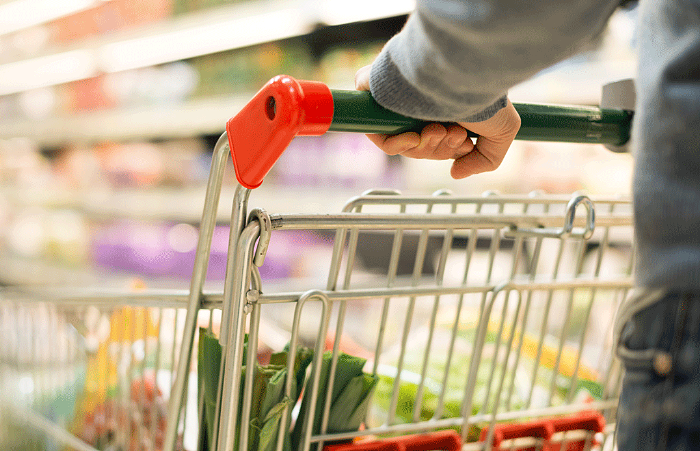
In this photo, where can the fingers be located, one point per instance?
(495, 137)
(472, 163)
(431, 138)
(435, 142)
(396, 144)
(439, 142)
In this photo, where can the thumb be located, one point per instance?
(362, 78)
(495, 137)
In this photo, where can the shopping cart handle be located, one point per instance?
(285, 108)
(357, 111)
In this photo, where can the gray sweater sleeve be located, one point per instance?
(456, 59)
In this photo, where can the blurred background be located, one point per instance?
(109, 110)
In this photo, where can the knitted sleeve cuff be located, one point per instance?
(391, 90)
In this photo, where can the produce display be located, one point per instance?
(518, 388)
(135, 424)
(123, 406)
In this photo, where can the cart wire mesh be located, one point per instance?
(502, 312)
(467, 313)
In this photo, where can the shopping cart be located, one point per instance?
(440, 321)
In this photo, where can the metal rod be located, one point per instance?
(550, 199)
(156, 369)
(392, 271)
(308, 421)
(439, 275)
(229, 312)
(419, 222)
(247, 401)
(508, 349)
(201, 262)
(234, 350)
(51, 429)
(239, 215)
(352, 252)
(470, 383)
(581, 245)
(545, 321)
(531, 271)
(591, 299)
(417, 271)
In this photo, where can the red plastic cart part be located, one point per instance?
(440, 440)
(583, 421)
(545, 428)
(536, 429)
(281, 110)
(375, 445)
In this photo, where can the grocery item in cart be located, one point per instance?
(268, 392)
(352, 390)
(351, 395)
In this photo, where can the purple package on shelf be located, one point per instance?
(168, 250)
(156, 249)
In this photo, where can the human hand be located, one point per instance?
(439, 142)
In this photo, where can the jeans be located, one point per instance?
(659, 405)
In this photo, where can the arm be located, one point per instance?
(454, 62)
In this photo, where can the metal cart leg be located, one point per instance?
(201, 262)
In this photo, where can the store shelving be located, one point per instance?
(318, 25)
(168, 204)
(175, 120)
(315, 26)
(332, 39)
(209, 31)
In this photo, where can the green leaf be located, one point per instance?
(349, 397)
(350, 408)
(268, 395)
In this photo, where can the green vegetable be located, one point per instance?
(352, 390)
(209, 363)
(268, 401)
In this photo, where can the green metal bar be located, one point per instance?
(357, 111)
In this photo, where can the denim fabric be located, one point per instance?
(666, 188)
(660, 402)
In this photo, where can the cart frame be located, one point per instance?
(243, 296)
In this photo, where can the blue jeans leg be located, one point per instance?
(660, 401)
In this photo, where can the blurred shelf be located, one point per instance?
(18, 271)
(321, 23)
(42, 273)
(209, 31)
(176, 204)
(574, 82)
(200, 117)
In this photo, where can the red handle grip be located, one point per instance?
(440, 440)
(375, 445)
(281, 110)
